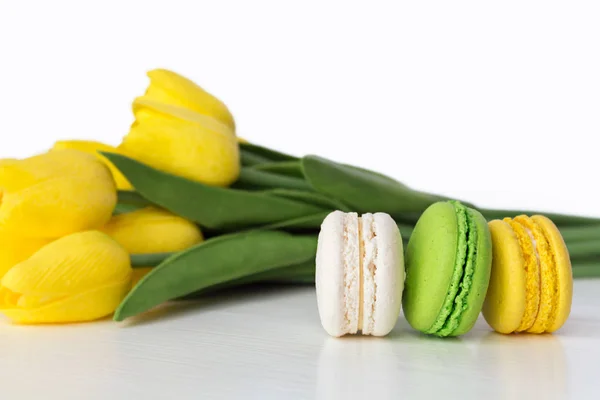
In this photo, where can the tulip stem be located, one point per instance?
(249, 159)
(258, 178)
(266, 153)
(287, 168)
(586, 269)
(580, 233)
(583, 249)
(125, 208)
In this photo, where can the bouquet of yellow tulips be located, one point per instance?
(191, 207)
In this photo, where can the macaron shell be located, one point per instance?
(389, 275)
(504, 304)
(481, 276)
(564, 274)
(430, 259)
(329, 276)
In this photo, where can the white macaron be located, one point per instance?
(360, 274)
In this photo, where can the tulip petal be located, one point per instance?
(189, 150)
(13, 178)
(55, 194)
(55, 163)
(92, 147)
(90, 305)
(151, 230)
(70, 265)
(8, 298)
(13, 250)
(148, 110)
(58, 207)
(169, 87)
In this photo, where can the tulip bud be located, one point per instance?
(55, 194)
(183, 143)
(95, 148)
(151, 230)
(80, 277)
(171, 88)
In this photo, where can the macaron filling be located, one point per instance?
(360, 268)
(548, 277)
(352, 272)
(368, 267)
(460, 302)
(461, 281)
(531, 256)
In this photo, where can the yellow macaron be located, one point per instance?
(531, 283)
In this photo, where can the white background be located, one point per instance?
(492, 102)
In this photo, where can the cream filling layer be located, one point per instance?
(535, 248)
(360, 268)
(369, 269)
(351, 260)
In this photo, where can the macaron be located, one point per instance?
(531, 284)
(448, 261)
(359, 274)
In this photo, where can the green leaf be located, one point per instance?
(131, 198)
(316, 199)
(303, 273)
(216, 261)
(362, 190)
(265, 153)
(290, 274)
(406, 230)
(287, 168)
(261, 179)
(313, 221)
(149, 260)
(209, 206)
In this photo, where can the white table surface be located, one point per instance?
(270, 345)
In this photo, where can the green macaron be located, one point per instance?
(448, 261)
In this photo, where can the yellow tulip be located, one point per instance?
(171, 88)
(94, 148)
(13, 250)
(183, 143)
(80, 277)
(55, 194)
(151, 230)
